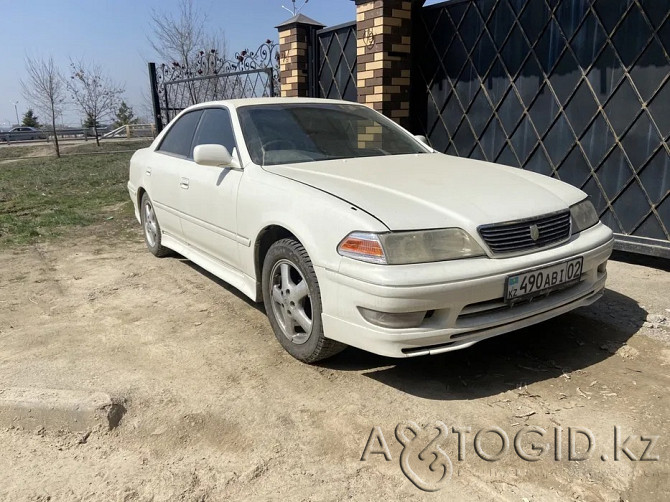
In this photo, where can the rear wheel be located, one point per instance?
(151, 228)
(293, 302)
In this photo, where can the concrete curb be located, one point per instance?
(55, 409)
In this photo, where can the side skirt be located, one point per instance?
(234, 277)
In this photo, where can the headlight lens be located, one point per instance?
(583, 216)
(403, 248)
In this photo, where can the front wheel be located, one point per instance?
(293, 302)
(151, 228)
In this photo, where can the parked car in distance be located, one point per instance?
(354, 232)
(23, 133)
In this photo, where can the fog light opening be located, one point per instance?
(395, 320)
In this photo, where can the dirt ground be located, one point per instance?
(216, 410)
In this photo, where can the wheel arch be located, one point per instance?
(266, 238)
(140, 192)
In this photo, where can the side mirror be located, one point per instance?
(214, 155)
(423, 140)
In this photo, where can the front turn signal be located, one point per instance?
(362, 246)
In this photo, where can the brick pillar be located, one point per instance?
(296, 54)
(384, 30)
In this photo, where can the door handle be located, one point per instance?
(183, 183)
(148, 171)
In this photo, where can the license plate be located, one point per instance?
(542, 280)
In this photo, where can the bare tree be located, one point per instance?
(45, 90)
(185, 41)
(177, 38)
(94, 93)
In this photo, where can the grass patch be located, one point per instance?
(44, 149)
(106, 146)
(44, 198)
(17, 152)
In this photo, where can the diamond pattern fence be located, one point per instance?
(337, 62)
(574, 89)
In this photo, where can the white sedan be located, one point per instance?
(354, 232)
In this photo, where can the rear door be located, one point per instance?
(209, 221)
(163, 173)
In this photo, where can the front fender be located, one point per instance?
(317, 219)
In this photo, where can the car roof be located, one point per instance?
(236, 103)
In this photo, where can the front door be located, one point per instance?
(209, 218)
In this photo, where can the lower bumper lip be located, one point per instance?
(471, 337)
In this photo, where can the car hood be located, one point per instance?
(409, 192)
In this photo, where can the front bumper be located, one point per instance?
(465, 295)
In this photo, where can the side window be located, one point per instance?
(215, 128)
(178, 139)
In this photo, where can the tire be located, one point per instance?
(293, 302)
(151, 228)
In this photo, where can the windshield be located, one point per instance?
(306, 132)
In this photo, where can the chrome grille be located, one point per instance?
(517, 236)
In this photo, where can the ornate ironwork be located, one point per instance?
(207, 63)
(208, 76)
(266, 56)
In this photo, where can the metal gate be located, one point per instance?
(175, 87)
(575, 89)
(336, 60)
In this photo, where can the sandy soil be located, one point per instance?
(218, 411)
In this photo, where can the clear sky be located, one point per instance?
(114, 35)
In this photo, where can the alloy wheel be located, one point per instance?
(150, 226)
(291, 301)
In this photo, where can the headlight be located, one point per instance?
(402, 248)
(583, 216)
